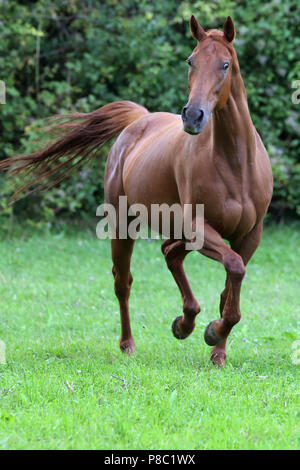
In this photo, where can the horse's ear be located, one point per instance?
(228, 30)
(197, 30)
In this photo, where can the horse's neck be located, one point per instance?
(233, 131)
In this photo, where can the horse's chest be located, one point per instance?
(228, 209)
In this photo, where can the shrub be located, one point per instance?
(77, 55)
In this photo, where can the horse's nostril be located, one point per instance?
(192, 114)
(201, 115)
(183, 113)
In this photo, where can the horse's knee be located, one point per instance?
(173, 258)
(235, 267)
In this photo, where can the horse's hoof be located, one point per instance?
(210, 336)
(176, 329)
(128, 346)
(218, 358)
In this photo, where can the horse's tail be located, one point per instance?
(79, 136)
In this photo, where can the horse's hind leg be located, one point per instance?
(121, 255)
(174, 253)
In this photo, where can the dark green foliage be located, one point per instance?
(81, 54)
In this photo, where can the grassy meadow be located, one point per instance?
(66, 385)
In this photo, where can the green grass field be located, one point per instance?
(66, 385)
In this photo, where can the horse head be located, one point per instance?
(209, 77)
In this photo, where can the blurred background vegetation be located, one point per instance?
(58, 56)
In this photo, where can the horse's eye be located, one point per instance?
(225, 65)
(189, 61)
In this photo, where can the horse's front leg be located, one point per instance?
(245, 248)
(217, 331)
(174, 253)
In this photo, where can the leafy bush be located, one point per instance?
(78, 55)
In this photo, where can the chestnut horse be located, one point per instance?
(211, 155)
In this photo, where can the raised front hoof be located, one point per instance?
(177, 329)
(218, 357)
(128, 346)
(210, 336)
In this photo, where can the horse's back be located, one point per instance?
(144, 148)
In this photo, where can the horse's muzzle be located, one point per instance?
(194, 119)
